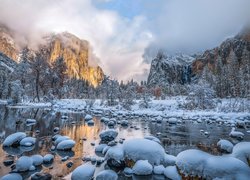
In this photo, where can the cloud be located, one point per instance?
(119, 42)
(196, 25)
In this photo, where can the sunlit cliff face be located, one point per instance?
(77, 54)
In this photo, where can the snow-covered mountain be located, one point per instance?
(226, 67)
(75, 52)
(168, 69)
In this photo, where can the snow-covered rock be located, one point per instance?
(124, 123)
(88, 117)
(30, 122)
(37, 160)
(197, 163)
(142, 167)
(144, 149)
(169, 160)
(12, 176)
(107, 175)
(83, 172)
(115, 153)
(14, 139)
(152, 138)
(172, 120)
(159, 169)
(28, 141)
(48, 158)
(241, 151)
(225, 145)
(108, 135)
(66, 145)
(60, 139)
(172, 173)
(100, 147)
(90, 123)
(24, 163)
(236, 134)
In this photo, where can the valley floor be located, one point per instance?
(225, 110)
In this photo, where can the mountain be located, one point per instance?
(233, 50)
(169, 69)
(226, 67)
(75, 52)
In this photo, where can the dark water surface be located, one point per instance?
(175, 138)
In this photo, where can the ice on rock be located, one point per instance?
(83, 172)
(48, 158)
(28, 141)
(241, 151)
(197, 163)
(144, 149)
(88, 117)
(225, 145)
(159, 169)
(24, 163)
(108, 135)
(14, 139)
(172, 173)
(100, 147)
(66, 145)
(37, 160)
(107, 175)
(12, 176)
(142, 168)
(152, 138)
(60, 139)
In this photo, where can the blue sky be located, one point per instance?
(131, 8)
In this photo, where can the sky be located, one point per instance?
(126, 34)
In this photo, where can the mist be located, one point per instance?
(196, 25)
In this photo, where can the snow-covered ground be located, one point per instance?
(170, 107)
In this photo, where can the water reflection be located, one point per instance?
(175, 138)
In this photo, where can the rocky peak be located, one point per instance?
(76, 53)
(169, 69)
(7, 43)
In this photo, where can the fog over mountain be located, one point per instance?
(124, 38)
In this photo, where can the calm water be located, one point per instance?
(175, 138)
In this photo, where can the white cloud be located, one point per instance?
(196, 25)
(118, 42)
